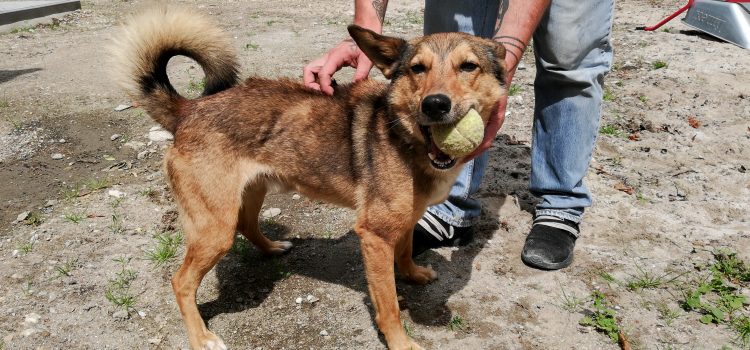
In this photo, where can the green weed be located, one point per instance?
(408, 328)
(667, 314)
(603, 318)
(118, 290)
(148, 192)
(643, 98)
(66, 268)
(4, 104)
(34, 219)
(570, 303)
(251, 46)
(166, 248)
(414, 17)
(456, 323)
(74, 217)
(197, 86)
(24, 29)
(26, 248)
(97, 184)
(116, 225)
(659, 64)
(611, 130)
(608, 95)
(647, 280)
(513, 90)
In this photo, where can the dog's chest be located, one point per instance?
(440, 189)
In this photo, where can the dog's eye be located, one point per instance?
(468, 67)
(417, 68)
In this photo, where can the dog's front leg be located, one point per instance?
(378, 248)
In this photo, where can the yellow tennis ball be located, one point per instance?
(460, 139)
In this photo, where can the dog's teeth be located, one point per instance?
(431, 155)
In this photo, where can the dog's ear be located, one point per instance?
(383, 51)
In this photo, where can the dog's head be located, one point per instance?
(437, 79)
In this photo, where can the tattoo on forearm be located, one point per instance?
(379, 6)
(500, 15)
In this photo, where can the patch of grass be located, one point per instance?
(17, 124)
(328, 234)
(643, 98)
(271, 22)
(197, 86)
(659, 64)
(251, 46)
(513, 90)
(71, 192)
(570, 303)
(116, 225)
(281, 269)
(166, 248)
(24, 29)
(414, 17)
(641, 198)
(665, 30)
(116, 202)
(608, 95)
(34, 219)
(603, 318)
(717, 297)
(97, 184)
(74, 217)
(408, 328)
(667, 314)
(118, 290)
(148, 192)
(742, 326)
(66, 268)
(242, 246)
(4, 104)
(610, 129)
(607, 277)
(456, 323)
(26, 247)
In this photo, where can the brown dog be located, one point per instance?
(367, 147)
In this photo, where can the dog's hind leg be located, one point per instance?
(209, 205)
(406, 266)
(252, 200)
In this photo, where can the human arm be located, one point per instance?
(516, 22)
(318, 73)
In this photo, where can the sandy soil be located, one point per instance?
(669, 175)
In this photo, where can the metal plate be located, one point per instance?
(725, 20)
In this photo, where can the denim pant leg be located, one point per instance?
(573, 53)
(475, 17)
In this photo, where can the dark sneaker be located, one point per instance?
(549, 245)
(432, 232)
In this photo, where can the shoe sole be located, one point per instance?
(536, 262)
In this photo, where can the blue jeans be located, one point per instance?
(573, 53)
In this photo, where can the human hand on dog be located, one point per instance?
(318, 73)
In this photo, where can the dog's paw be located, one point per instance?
(411, 346)
(421, 275)
(212, 342)
(278, 248)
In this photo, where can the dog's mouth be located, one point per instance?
(438, 159)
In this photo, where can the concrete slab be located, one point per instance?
(18, 11)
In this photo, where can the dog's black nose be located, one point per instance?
(436, 106)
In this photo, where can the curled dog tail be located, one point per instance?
(143, 49)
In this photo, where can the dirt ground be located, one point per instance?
(669, 176)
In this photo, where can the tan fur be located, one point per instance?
(361, 148)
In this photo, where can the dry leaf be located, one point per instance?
(694, 122)
(624, 188)
(634, 137)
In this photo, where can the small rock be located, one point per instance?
(15, 253)
(121, 315)
(154, 341)
(114, 137)
(311, 299)
(61, 141)
(699, 137)
(50, 203)
(122, 107)
(134, 145)
(296, 197)
(22, 216)
(143, 154)
(142, 314)
(32, 318)
(521, 66)
(160, 135)
(272, 212)
(28, 332)
(298, 300)
(710, 50)
(116, 193)
(57, 156)
(324, 333)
